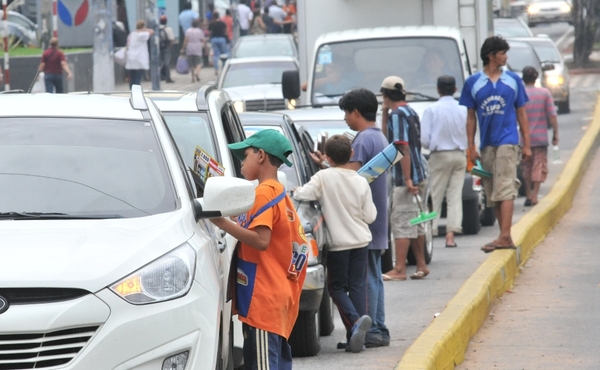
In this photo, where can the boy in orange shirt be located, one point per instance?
(271, 258)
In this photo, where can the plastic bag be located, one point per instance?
(120, 56)
(39, 86)
(182, 66)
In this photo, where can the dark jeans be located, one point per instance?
(165, 64)
(54, 81)
(135, 77)
(347, 284)
(243, 32)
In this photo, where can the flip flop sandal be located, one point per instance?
(387, 277)
(489, 247)
(418, 275)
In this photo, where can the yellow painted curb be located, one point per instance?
(444, 343)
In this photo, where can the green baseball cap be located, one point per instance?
(271, 141)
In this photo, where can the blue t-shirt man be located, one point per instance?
(496, 106)
(186, 17)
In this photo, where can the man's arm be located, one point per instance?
(554, 124)
(524, 127)
(258, 237)
(385, 115)
(426, 123)
(65, 67)
(471, 130)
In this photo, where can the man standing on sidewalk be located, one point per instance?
(245, 16)
(166, 40)
(53, 63)
(444, 133)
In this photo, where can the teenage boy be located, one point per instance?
(348, 209)
(271, 256)
(496, 98)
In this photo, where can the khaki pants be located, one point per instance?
(502, 162)
(447, 176)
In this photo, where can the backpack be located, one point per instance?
(164, 39)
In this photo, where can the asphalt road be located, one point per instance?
(411, 305)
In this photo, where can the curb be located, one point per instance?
(444, 343)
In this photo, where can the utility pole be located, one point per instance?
(147, 10)
(103, 62)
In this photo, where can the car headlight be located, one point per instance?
(565, 8)
(555, 80)
(166, 278)
(239, 106)
(533, 9)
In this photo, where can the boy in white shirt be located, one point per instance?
(348, 209)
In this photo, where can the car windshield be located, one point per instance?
(256, 73)
(83, 167)
(547, 52)
(328, 128)
(263, 47)
(510, 28)
(191, 130)
(293, 178)
(520, 56)
(346, 65)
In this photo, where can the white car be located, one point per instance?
(254, 84)
(107, 258)
(546, 11)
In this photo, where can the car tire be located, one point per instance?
(471, 223)
(326, 315)
(488, 214)
(564, 107)
(304, 339)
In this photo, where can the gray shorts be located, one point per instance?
(502, 162)
(405, 208)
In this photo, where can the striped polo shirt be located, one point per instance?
(540, 108)
(496, 104)
(404, 126)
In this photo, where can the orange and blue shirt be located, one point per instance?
(269, 283)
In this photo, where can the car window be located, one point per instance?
(234, 133)
(547, 52)
(258, 73)
(20, 21)
(190, 130)
(521, 56)
(83, 167)
(316, 128)
(511, 28)
(249, 47)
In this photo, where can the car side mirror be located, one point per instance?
(224, 197)
(547, 67)
(290, 84)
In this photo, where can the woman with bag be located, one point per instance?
(193, 43)
(138, 57)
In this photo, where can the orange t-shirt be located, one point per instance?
(269, 282)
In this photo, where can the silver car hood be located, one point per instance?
(255, 92)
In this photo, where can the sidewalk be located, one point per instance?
(182, 82)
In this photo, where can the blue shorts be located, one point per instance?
(264, 350)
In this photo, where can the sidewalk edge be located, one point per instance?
(444, 342)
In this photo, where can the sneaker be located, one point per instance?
(359, 331)
(374, 340)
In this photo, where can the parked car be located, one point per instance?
(522, 54)
(557, 79)
(511, 27)
(267, 45)
(254, 84)
(316, 315)
(546, 11)
(21, 30)
(108, 258)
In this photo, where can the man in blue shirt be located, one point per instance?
(498, 99)
(186, 17)
(403, 125)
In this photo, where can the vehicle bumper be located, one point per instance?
(555, 17)
(559, 93)
(127, 336)
(312, 291)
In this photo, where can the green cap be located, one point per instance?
(271, 141)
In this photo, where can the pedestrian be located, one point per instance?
(348, 208)
(209, 12)
(496, 99)
(290, 19)
(541, 113)
(245, 17)
(138, 57)
(271, 257)
(444, 133)
(53, 64)
(228, 20)
(192, 47)
(278, 16)
(166, 41)
(218, 39)
(257, 26)
(360, 107)
(409, 177)
(186, 17)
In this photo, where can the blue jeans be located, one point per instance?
(375, 294)
(261, 345)
(53, 81)
(219, 46)
(347, 284)
(135, 77)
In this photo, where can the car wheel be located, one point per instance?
(564, 107)
(471, 223)
(304, 339)
(488, 214)
(326, 315)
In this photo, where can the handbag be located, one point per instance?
(182, 66)
(120, 56)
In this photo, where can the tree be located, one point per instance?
(586, 20)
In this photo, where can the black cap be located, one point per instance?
(530, 74)
(446, 82)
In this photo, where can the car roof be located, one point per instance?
(315, 114)
(184, 101)
(244, 60)
(68, 105)
(389, 32)
(533, 40)
(266, 36)
(261, 118)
